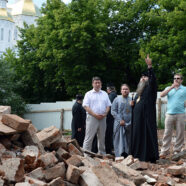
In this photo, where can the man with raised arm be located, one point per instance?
(144, 143)
(176, 96)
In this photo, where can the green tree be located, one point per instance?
(8, 86)
(72, 43)
(167, 45)
(107, 38)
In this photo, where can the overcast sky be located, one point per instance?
(38, 2)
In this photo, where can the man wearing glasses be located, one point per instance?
(176, 96)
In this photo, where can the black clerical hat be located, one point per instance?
(79, 97)
(144, 73)
(110, 85)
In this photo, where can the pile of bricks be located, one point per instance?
(46, 158)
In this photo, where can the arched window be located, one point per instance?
(9, 36)
(2, 34)
(15, 34)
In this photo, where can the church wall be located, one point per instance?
(6, 35)
(19, 22)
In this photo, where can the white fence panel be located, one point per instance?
(59, 113)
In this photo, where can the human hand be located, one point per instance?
(122, 122)
(175, 84)
(148, 61)
(132, 103)
(79, 129)
(99, 116)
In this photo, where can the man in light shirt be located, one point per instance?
(176, 96)
(97, 105)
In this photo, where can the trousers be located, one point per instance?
(93, 127)
(172, 120)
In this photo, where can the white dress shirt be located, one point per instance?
(97, 101)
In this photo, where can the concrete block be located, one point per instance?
(32, 151)
(13, 169)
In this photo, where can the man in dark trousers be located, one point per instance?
(110, 121)
(144, 143)
(78, 120)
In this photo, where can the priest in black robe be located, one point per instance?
(144, 141)
(78, 120)
(110, 121)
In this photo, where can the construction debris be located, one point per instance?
(47, 158)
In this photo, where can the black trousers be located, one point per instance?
(109, 134)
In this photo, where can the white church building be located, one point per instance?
(12, 17)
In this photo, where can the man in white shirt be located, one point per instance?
(97, 104)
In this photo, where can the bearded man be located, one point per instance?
(144, 143)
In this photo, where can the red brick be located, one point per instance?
(13, 169)
(73, 150)
(74, 160)
(15, 122)
(73, 174)
(48, 159)
(29, 137)
(62, 154)
(49, 135)
(58, 170)
(176, 170)
(33, 181)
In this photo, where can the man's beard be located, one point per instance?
(141, 86)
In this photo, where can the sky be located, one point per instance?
(38, 2)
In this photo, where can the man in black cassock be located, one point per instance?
(110, 121)
(78, 120)
(144, 142)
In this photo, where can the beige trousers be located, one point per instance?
(172, 120)
(93, 127)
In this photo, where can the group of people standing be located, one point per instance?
(129, 124)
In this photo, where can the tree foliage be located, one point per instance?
(168, 45)
(107, 38)
(8, 86)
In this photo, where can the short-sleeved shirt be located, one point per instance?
(97, 101)
(176, 99)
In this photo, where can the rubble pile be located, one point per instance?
(47, 158)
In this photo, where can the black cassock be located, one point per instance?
(144, 143)
(109, 129)
(78, 121)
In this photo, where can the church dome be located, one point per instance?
(4, 15)
(25, 7)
